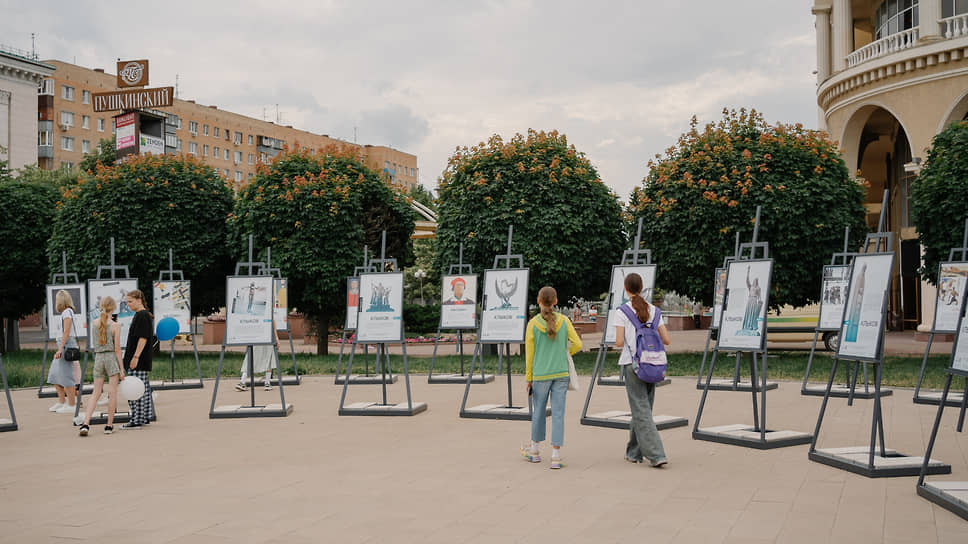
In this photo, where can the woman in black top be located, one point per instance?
(137, 358)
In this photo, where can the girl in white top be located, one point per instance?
(62, 375)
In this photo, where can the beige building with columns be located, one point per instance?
(20, 75)
(891, 74)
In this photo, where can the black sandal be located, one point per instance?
(85, 429)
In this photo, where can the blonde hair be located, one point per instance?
(547, 298)
(63, 301)
(107, 306)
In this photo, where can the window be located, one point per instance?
(216, 132)
(205, 130)
(171, 140)
(250, 139)
(237, 139)
(250, 175)
(85, 146)
(67, 92)
(100, 125)
(263, 157)
(192, 148)
(216, 152)
(386, 165)
(238, 176)
(46, 87)
(894, 16)
(226, 172)
(179, 146)
(85, 122)
(193, 127)
(228, 135)
(226, 153)
(950, 8)
(67, 118)
(251, 158)
(238, 157)
(45, 138)
(67, 165)
(205, 150)
(85, 97)
(67, 143)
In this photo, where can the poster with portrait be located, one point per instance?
(959, 355)
(458, 302)
(118, 290)
(380, 318)
(617, 290)
(861, 332)
(505, 308)
(719, 295)
(352, 302)
(79, 299)
(951, 286)
(173, 299)
(280, 303)
(248, 310)
(745, 305)
(833, 297)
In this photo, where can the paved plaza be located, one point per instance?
(318, 477)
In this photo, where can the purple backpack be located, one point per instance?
(649, 356)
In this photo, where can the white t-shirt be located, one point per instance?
(628, 350)
(65, 315)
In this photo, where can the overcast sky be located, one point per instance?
(620, 79)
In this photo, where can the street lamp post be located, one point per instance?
(420, 274)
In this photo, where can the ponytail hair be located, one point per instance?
(136, 293)
(633, 284)
(547, 298)
(107, 306)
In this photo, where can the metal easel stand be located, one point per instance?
(384, 408)
(172, 383)
(952, 496)
(62, 278)
(278, 376)
(11, 423)
(366, 378)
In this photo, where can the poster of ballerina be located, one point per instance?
(118, 290)
(861, 332)
(745, 306)
(380, 317)
(173, 299)
(248, 310)
(833, 296)
(78, 299)
(959, 356)
(505, 306)
(458, 308)
(719, 295)
(617, 290)
(951, 287)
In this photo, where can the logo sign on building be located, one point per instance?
(152, 144)
(125, 131)
(134, 99)
(132, 73)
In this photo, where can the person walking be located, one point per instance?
(644, 441)
(546, 371)
(62, 374)
(137, 358)
(107, 364)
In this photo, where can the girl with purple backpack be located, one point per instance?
(644, 441)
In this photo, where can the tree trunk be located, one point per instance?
(322, 335)
(11, 336)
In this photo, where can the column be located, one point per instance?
(929, 13)
(843, 34)
(822, 26)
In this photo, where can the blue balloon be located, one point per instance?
(167, 329)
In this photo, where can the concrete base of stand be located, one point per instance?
(460, 378)
(841, 391)
(746, 436)
(619, 419)
(952, 496)
(499, 411)
(726, 384)
(240, 411)
(376, 409)
(856, 459)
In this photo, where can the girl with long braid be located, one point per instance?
(107, 364)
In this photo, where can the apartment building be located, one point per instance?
(231, 143)
(20, 74)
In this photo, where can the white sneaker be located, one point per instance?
(65, 409)
(56, 407)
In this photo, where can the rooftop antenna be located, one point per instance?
(278, 121)
(176, 85)
(33, 47)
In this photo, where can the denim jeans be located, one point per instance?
(541, 390)
(644, 438)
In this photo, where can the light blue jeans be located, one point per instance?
(541, 390)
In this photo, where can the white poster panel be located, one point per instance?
(959, 356)
(870, 278)
(174, 299)
(617, 290)
(719, 295)
(79, 298)
(118, 290)
(458, 302)
(745, 305)
(381, 308)
(951, 287)
(352, 302)
(833, 297)
(248, 310)
(280, 307)
(505, 305)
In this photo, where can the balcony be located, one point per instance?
(954, 27)
(45, 152)
(884, 46)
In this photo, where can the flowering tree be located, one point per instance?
(708, 185)
(567, 223)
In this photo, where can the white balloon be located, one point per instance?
(131, 388)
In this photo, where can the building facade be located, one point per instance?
(891, 74)
(231, 143)
(20, 76)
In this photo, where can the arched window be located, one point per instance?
(895, 16)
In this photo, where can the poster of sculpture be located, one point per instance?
(505, 309)
(870, 278)
(352, 302)
(959, 356)
(380, 318)
(951, 287)
(617, 290)
(280, 304)
(719, 295)
(833, 297)
(173, 299)
(745, 306)
(118, 290)
(79, 298)
(248, 310)
(458, 309)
